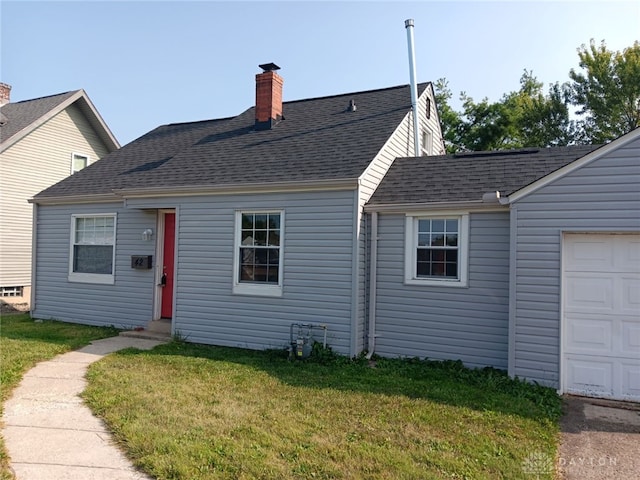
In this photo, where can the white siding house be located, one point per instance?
(42, 141)
(253, 223)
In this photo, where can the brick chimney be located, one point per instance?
(5, 93)
(268, 97)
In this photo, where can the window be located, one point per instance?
(92, 252)
(427, 139)
(258, 253)
(11, 291)
(78, 162)
(436, 250)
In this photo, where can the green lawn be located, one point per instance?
(191, 412)
(23, 343)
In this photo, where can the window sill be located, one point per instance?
(91, 278)
(257, 290)
(435, 283)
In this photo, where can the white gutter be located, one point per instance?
(414, 87)
(373, 261)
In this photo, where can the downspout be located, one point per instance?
(373, 261)
(414, 87)
(34, 249)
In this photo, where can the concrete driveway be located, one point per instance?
(600, 440)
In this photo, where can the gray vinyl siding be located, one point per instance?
(34, 163)
(446, 323)
(602, 196)
(317, 270)
(127, 303)
(400, 144)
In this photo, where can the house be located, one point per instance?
(525, 260)
(230, 229)
(42, 141)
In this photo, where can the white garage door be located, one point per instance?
(601, 315)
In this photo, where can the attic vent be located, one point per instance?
(147, 166)
(496, 153)
(352, 106)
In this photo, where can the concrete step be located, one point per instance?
(159, 326)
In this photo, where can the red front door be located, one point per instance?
(166, 311)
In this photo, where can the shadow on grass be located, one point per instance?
(446, 382)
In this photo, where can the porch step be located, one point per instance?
(160, 326)
(156, 330)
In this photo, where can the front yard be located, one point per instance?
(185, 411)
(190, 412)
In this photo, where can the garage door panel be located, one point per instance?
(630, 339)
(630, 379)
(586, 293)
(601, 315)
(630, 298)
(590, 377)
(588, 336)
(628, 256)
(586, 253)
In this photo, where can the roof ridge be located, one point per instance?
(353, 93)
(45, 96)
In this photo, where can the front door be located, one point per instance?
(168, 261)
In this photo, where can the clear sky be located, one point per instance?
(148, 63)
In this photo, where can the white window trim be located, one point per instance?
(101, 278)
(410, 250)
(266, 290)
(73, 157)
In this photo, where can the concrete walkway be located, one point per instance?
(50, 434)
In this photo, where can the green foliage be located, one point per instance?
(525, 118)
(606, 95)
(607, 92)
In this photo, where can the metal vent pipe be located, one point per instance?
(414, 87)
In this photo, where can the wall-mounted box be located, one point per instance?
(141, 262)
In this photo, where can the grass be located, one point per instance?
(185, 411)
(23, 343)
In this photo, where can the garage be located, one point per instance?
(601, 315)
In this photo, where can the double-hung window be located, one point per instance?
(92, 252)
(258, 253)
(436, 250)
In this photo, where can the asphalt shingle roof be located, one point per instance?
(466, 177)
(20, 115)
(318, 139)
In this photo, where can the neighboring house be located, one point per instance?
(542, 279)
(42, 141)
(233, 228)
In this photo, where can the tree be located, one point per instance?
(607, 92)
(525, 118)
